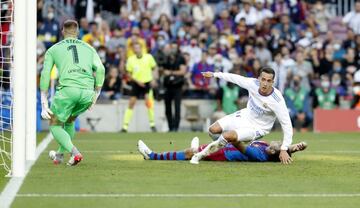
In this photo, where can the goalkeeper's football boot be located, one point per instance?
(56, 157)
(144, 150)
(75, 159)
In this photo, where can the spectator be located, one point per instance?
(349, 62)
(194, 51)
(304, 70)
(222, 5)
(159, 7)
(280, 71)
(262, 12)
(134, 8)
(280, 8)
(356, 91)
(174, 70)
(352, 19)
(325, 95)
(228, 98)
(248, 12)
(262, 53)
(322, 16)
(203, 87)
(201, 12)
(112, 85)
(84, 27)
(135, 38)
(297, 100)
(326, 62)
(287, 28)
(224, 21)
(49, 31)
(94, 37)
(116, 41)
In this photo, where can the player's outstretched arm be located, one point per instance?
(243, 82)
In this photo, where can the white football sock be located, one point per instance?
(213, 147)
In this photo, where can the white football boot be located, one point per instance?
(195, 159)
(144, 150)
(195, 143)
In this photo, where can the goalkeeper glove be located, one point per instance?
(46, 113)
(97, 94)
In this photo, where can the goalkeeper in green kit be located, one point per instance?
(81, 76)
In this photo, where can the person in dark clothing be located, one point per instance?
(174, 70)
(112, 85)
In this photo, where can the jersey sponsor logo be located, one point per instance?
(255, 108)
(79, 70)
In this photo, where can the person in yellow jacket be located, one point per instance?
(141, 68)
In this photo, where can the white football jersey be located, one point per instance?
(262, 111)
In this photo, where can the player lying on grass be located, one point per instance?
(264, 106)
(257, 151)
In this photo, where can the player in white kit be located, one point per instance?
(265, 104)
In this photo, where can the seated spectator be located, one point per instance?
(262, 52)
(349, 62)
(262, 12)
(280, 7)
(356, 91)
(49, 31)
(112, 85)
(94, 37)
(303, 69)
(287, 28)
(325, 95)
(145, 31)
(322, 16)
(135, 38)
(117, 40)
(248, 12)
(194, 50)
(84, 27)
(224, 21)
(202, 86)
(352, 19)
(201, 12)
(297, 100)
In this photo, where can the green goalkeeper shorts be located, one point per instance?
(70, 102)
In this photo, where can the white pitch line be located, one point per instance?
(13, 186)
(125, 195)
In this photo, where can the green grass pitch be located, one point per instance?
(113, 174)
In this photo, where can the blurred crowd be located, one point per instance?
(316, 54)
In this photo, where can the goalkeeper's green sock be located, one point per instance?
(62, 137)
(70, 129)
(127, 118)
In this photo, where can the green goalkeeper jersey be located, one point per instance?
(78, 65)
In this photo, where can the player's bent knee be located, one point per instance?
(215, 128)
(230, 136)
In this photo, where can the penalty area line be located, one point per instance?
(127, 195)
(13, 186)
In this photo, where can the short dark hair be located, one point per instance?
(267, 70)
(71, 24)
